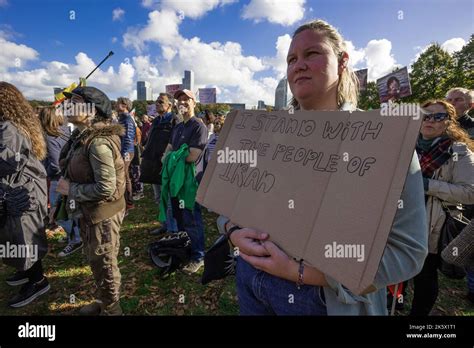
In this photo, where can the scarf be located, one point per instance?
(434, 156)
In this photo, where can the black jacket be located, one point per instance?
(55, 144)
(23, 178)
(158, 138)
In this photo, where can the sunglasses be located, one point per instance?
(440, 116)
(161, 101)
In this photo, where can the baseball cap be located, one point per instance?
(93, 95)
(186, 92)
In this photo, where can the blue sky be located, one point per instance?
(42, 46)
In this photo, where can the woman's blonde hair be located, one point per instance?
(454, 130)
(348, 85)
(51, 120)
(16, 109)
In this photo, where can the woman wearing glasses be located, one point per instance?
(447, 164)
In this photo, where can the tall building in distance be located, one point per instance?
(144, 91)
(188, 80)
(281, 94)
(261, 105)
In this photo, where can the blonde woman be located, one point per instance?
(321, 79)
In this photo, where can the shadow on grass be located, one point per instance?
(142, 291)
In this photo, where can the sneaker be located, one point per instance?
(19, 278)
(93, 308)
(70, 249)
(193, 266)
(29, 292)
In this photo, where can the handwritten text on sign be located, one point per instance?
(242, 175)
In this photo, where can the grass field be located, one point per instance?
(143, 293)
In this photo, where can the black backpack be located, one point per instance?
(171, 252)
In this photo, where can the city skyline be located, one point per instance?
(237, 47)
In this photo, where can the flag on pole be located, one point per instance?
(59, 97)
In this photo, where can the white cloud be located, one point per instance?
(39, 83)
(240, 77)
(14, 55)
(3, 3)
(150, 3)
(453, 45)
(379, 58)
(285, 12)
(356, 56)
(193, 9)
(117, 14)
(214, 64)
(161, 28)
(278, 62)
(114, 40)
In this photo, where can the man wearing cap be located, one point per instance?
(95, 185)
(158, 139)
(193, 133)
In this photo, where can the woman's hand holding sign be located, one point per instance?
(266, 256)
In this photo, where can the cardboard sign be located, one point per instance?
(151, 110)
(362, 76)
(172, 89)
(325, 185)
(207, 95)
(394, 86)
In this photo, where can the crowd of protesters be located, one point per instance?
(90, 179)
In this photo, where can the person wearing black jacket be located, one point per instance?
(23, 195)
(158, 138)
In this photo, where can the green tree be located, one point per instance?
(369, 99)
(39, 103)
(431, 74)
(215, 108)
(140, 107)
(463, 72)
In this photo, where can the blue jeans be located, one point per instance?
(260, 293)
(156, 193)
(470, 281)
(53, 195)
(72, 230)
(171, 224)
(193, 225)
